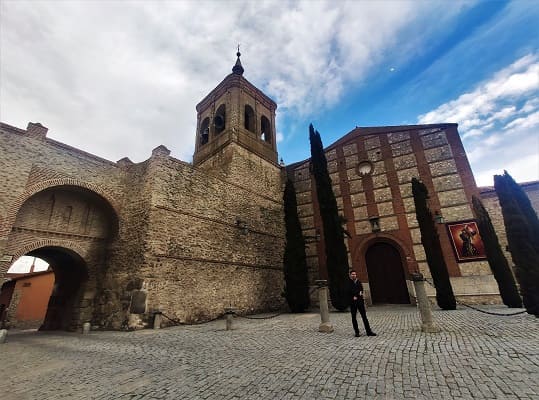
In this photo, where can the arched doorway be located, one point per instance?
(386, 274)
(70, 276)
(47, 299)
(71, 228)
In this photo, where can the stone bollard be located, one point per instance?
(325, 325)
(3, 335)
(157, 318)
(229, 311)
(85, 328)
(427, 323)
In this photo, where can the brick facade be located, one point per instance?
(432, 153)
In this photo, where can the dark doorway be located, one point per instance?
(386, 275)
(70, 275)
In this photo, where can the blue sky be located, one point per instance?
(120, 78)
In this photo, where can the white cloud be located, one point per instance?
(529, 121)
(498, 121)
(119, 78)
(483, 104)
(24, 265)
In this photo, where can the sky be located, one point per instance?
(118, 79)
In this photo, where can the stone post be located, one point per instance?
(157, 318)
(229, 311)
(325, 326)
(427, 323)
(3, 335)
(85, 328)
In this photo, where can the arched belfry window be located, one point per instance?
(265, 130)
(249, 118)
(204, 132)
(219, 120)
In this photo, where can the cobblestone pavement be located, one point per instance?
(476, 356)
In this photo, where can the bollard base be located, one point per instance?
(157, 317)
(430, 328)
(3, 335)
(325, 327)
(85, 328)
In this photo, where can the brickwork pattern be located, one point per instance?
(434, 155)
(191, 239)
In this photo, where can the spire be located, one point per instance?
(237, 68)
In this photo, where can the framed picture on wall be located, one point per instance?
(466, 241)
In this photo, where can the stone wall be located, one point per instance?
(491, 203)
(188, 241)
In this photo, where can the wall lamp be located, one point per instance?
(438, 217)
(375, 224)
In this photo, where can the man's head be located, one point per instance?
(353, 275)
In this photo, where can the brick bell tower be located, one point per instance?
(232, 118)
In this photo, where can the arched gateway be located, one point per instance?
(71, 228)
(386, 274)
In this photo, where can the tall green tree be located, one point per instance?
(496, 260)
(295, 266)
(431, 243)
(520, 225)
(336, 255)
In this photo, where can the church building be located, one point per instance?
(126, 240)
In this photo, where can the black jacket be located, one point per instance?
(355, 288)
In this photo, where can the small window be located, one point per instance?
(249, 119)
(205, 131)
(265, 129)
(219, 121)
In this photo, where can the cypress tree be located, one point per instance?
(496, 260)
(520, 222)
(295, 266)
(431, 243)
(336, 256)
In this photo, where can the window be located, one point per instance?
(204, 132)
(249, 118)
(265, 129)
(219, 120)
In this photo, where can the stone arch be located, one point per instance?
(219, 121)
(66, 307)
(68, 244)
(265, 129)
(361, 248)
(52, 183)
(204, 133)
(396, 266)
(249, 121)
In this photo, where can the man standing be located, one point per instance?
(357, 303)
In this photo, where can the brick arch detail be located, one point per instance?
(51, 183)
(37, 244)
(67, 244)
(407, 258)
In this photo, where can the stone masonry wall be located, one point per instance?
(193, 241)
(215, 242)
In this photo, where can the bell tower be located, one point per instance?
(234, 114)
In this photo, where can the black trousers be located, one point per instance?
(356, 306)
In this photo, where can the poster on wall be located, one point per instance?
(466, 240)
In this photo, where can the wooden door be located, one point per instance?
(386, 275)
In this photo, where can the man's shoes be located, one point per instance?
(371, 334)
(357, 334)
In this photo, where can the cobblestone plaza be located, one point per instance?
(476, 356)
